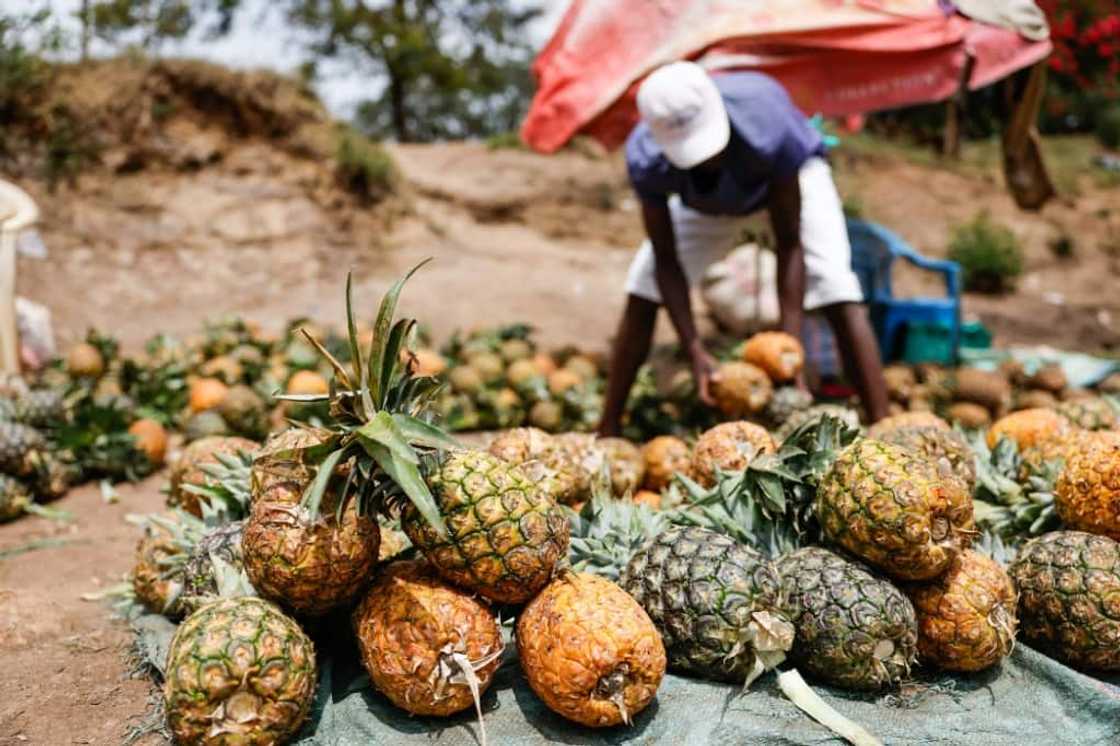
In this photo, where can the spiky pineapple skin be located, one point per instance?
(786, 402)
(585, 645)
(310, 565)
(200, 585)
(741, 389)
(816, 413)
(728, 447)
(239, 673)
(21, 448)
(14, 496)
(854, 630)
(1087, 493)
(245, 412)
(626, 463)
(935, 444)
(568, 481)
(41, 408)
(665, 456)
(967, 617)
(906, 420)
(1028, 427)
(779, 354)
(157, 586)
(894, 510)
(505, 534)
(407, 623)
(188, 468)
(283, 458)
(1089, 414)
(702, 590)
(1069, 597)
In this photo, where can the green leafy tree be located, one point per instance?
(453, 68)
(148, 23)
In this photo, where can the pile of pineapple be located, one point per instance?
(785, 538)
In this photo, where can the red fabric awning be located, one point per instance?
(834, 57)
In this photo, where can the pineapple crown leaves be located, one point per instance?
(378, 414)
(607, 531)
(226, 494)
(997, 470)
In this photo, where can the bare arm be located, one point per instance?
(785, 219)
(673, 284)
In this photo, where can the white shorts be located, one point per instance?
(705, 239)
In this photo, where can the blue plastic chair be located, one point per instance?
(874, 249)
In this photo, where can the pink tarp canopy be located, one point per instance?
(835, 57)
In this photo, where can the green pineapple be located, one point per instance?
(202, 425)
(239, 672)
(21, 449)
(42, 408)
(854, 630)
(607, 532)
(216, 555)
(787, 402)
(716, 603)
(815, 413)
(480, 522)
(245, 413)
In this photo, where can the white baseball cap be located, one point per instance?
(685, 113)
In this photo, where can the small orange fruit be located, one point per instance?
(207, 393)
(308, 382)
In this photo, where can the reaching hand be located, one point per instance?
(705, 372)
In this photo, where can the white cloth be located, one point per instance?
(1021, 15)
(704, 239)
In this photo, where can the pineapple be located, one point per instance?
(589, 651)
(901, 382)
(779, 354)
(307, 383)
(716, 603)
(245, 413)
(968, 415)
(151, 438)
(208, 424)
(309, 564)
(43, 408)
(202, 566)
(15, 498)
(814, 414)
(521, 373)
(480, 521)
(563, 380)
(1029, 427)
(465, 380)
(607, 532)
(189, 469)
(626, 463)
(238, 672)
(394, 541)
(967, 617)
(1069, 583)
(567, 479)
(665, 456)
(986, 388)
(283, 458)
(741, 389)
(935, 444)
(1087, 494)
(1035, 399)
(505, 534)
(21, 449)
(905, 420)
(85, 361)
(854, 630)
(489, 366)
(787, 402)
(429, 647)
(157, 579)
(728, 447)
(1049, 377)
(895, 510)
(223, 368)
(1089, 414)
(425, 362)
(206, 393)
(513, 350)
(547, 415)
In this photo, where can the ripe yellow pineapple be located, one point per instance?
(567, 479)
(626, 463)
(422, 640)
(665, 456)
(85, 361)
(589, 651)
(741, 389)
(189, 469)
(1087, 494)
(309, 564)
(729, 447)
(307, 382)
(895, 510)
(967, 617)
(156, 585)
(906, 420)
(151, 438)
(563, 380)
(207, 393)
(1029, 427)
(779, 354)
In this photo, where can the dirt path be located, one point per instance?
(65, 676)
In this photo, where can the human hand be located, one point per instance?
(705, 372)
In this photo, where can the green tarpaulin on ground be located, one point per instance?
(1029, 699)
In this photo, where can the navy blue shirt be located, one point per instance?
(770, 139)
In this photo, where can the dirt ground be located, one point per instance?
(257, 230)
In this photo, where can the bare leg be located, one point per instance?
(860, 351)
(631, 348)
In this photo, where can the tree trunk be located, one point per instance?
(397, 107)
